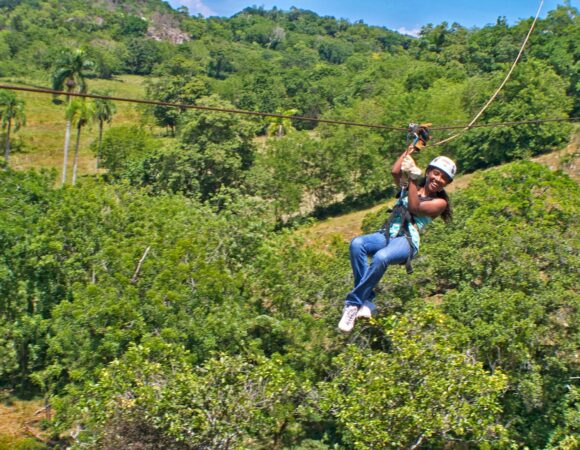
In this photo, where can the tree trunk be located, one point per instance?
(280, 130)
(70, 87)
(66, 145)
(76, 156)
(100, 144)
(7, 151)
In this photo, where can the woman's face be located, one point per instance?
(436, 180)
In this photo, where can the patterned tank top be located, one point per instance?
(420, 222)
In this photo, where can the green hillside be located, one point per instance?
(169, 300)
(276, 61)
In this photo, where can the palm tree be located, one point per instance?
(103, 112)
(11, 113)
(79, 112)
(70, 71)
(280, 126)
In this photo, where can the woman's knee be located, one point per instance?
(357, 245)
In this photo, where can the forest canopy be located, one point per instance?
(225, 333)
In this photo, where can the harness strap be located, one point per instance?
(406, 220)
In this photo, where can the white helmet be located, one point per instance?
(444, 164)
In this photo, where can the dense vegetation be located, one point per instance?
(165, 304)
(224, 335)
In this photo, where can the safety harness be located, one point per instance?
(400, 210)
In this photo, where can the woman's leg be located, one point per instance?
(396, 252)
(361, 248)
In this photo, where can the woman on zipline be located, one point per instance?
(419, 203)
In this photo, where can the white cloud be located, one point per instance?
(197, 7)
(412, 32)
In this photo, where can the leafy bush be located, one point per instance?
(155, 395)
(215, 151)
(421, 390)
(123, 147)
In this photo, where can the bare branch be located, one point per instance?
(136, 274)
(418, 443)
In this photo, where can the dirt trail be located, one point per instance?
(349, 225)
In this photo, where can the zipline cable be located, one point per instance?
(508, 123)
(282, 116)
(495, 94)
(202, 108)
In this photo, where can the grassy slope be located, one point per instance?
(19, 421)
(43, 136)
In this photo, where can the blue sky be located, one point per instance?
(401, 15)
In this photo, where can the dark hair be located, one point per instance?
(447, 214)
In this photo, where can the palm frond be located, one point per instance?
(11, 110)
(70, 70)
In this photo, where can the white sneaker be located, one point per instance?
(366, 310)
(348, 317)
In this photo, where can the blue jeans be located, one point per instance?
(366, 276)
